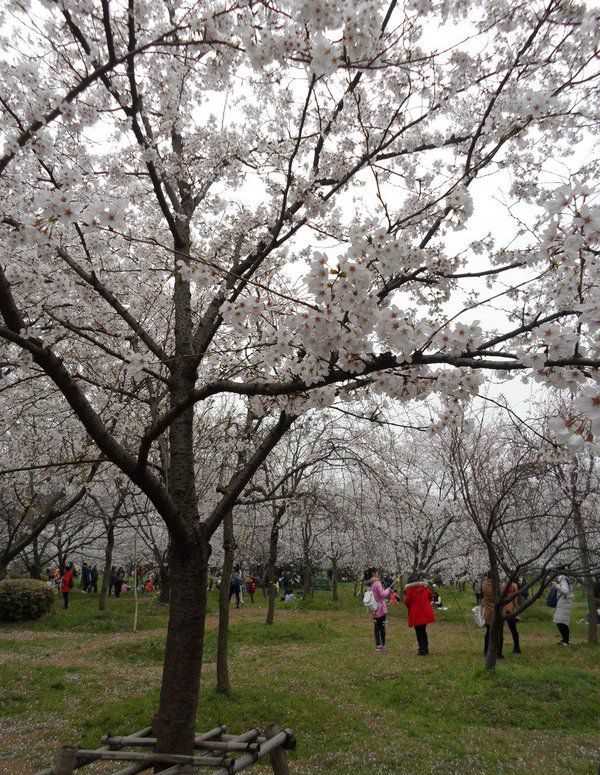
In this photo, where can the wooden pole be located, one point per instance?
(150, 759)
(65, 761)
(278, 756)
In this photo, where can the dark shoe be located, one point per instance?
(516, 650)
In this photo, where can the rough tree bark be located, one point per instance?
(174, 723)
(223, 683)
(497, 626)
(270, 574)
(108, 553)
(334, 579)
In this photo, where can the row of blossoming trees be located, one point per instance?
(291, 203)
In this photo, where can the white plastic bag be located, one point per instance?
(479, 615)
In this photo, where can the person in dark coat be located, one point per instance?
(112, 579)
(85, 576)
(119, 581)
(417, 598)
(93, 585)
(235, 585)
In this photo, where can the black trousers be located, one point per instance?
(235, 590)
(564, 632)
(421, 633)
(512, 626)
(65, 599)
(379, 629)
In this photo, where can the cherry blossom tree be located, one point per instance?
(506, 483)
(286, 202)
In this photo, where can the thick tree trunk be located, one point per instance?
(270, 574)
(108, 553)
(496, 629)
(586, 567)
(174, 724)
(334, 580)
(223, 684)
(495, 642)
(306, 572)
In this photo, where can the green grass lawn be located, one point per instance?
(76, 675)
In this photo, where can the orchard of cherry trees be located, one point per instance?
(243, 242)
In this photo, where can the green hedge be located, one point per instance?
(24, 599)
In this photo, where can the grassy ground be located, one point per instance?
(76, 675)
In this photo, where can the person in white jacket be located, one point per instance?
(562, 612)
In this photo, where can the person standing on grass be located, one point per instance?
(66, 583)
(119, 581)
(235, 585)
(93, 585)
(251, 587)
(509, 614)
(379, 616)
(418, 599)
(562, 612)
(85, 577)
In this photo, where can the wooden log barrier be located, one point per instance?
(214, 744)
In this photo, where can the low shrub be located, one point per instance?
(24, 599)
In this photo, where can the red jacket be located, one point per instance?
(66, 581)
(418, 599)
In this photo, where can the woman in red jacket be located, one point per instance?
(418, 599)
(66, 583)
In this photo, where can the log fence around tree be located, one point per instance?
(223, 753)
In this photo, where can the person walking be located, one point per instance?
(66, 583)
(93, 585)
(234, 585)
(562, 612)
(417, 599)
(85, 576)
(119, 581)
(380, 614)
(509, 614)
(251, 587)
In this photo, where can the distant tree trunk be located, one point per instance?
(108, 553)
(356, 585)
(306, 580)
(34, 565)
(270, 574)
(334, 578)
(165, 585)
(223, 684)
(62, 560)
(586, 567)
